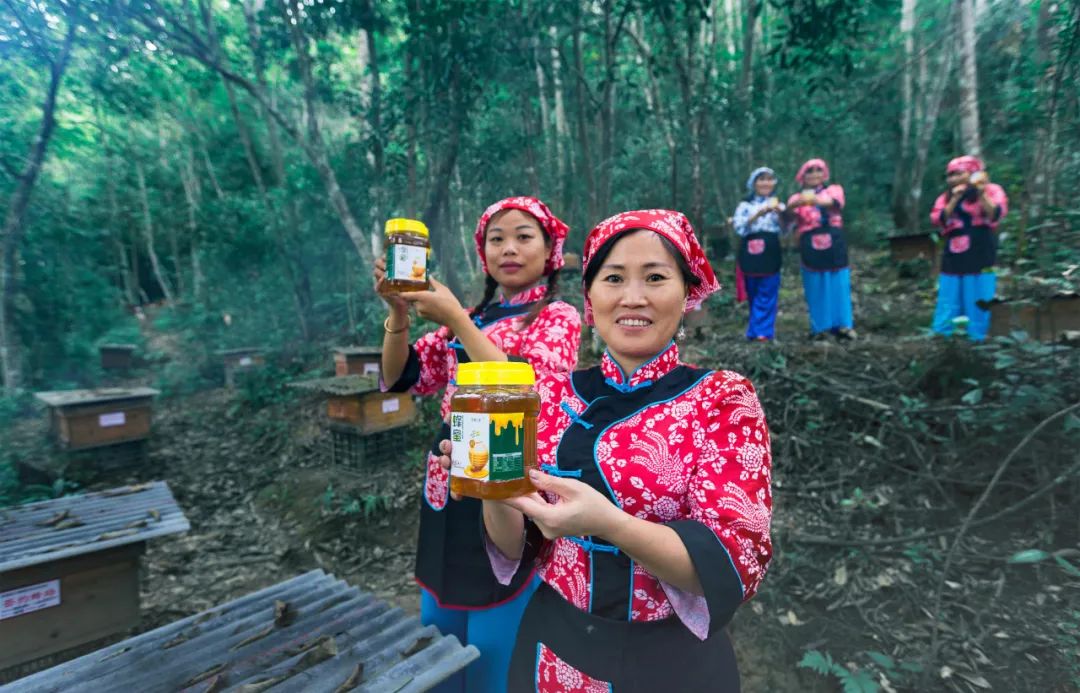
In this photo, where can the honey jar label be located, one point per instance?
(406, 263)
(488, 447)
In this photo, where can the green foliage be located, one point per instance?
(856, 680)
(14, 492)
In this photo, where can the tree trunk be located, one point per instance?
(901, 169)
(582, 126)
(193, 196)
(968, 83)
(14, 220)
(933, 95)
(542, 97)
(562, 129)
(148, 236)
(655, 102)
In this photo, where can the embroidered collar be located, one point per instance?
(646, 374)
(527, 296)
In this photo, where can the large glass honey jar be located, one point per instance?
(493, 430)
(407, 251)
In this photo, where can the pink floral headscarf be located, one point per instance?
(551, 224)
(968, 164)
(812, 163)
(673, 226)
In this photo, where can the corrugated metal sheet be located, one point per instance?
(74, 525)
(72, 398)
(313, 633)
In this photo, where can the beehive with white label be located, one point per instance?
(85, 419)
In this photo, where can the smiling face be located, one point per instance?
(638, 297)
(764, 185)
(516, 249)
(813, 177)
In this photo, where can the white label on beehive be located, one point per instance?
(31, 598)
(245, 361)
(390, 405)
(371, 369)
(114, 419)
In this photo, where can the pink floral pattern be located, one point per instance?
(673, 226)
(703, 456)
(973, 209)
(550, 344)
(553, 675)
(808, 217)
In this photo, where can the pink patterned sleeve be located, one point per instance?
(434, 356)
(552, 340)
(939, 207)
(835, 193)
(730, 500)
(996, 194)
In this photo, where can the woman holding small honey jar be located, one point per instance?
(651, 521)
(519, 242)
(759, 220)
(967, 213)
(823, 250)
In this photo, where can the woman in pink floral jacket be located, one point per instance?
(519, 242)
(652, 522)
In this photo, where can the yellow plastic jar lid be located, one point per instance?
(401, 225)
(495, 373)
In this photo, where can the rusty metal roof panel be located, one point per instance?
(72, 398)
(74, 525)
(311, 633)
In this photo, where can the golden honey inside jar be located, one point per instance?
(493, 430)
(407, 251)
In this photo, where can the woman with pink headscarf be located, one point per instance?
(519, 243)
(651, 522)
(967, 213)
(823, 249)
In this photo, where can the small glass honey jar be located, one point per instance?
(493, 430)
(407, 251)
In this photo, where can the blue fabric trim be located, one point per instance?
(590, 546)
(627, 378)
(592, 585)
(630, 601)
(611, 492)
(563, 473)
(626, 388)
(574, 417)
(738, 575)
(536, 676)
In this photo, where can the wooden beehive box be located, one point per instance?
(69, 571)
(571, 262)
(355, 401)
(116, 357)
(357, 360)
(916, 246)
(84, 419)
(237, 361)
(1046, 320)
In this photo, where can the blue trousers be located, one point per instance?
(762, 293)
(493, 631)
(828, 298)
(957, 295)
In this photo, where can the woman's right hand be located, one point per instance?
(393, 299)
(445, 447)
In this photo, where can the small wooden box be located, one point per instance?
(571, 262)
(84, 419)
(917, 246)
(98, 597)
(116, 357)
(1045, 321)
(372, 412)
(239, 361)
(357, 361)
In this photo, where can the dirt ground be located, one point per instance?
(265, 504)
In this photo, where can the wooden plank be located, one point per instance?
(107, 423)
(99, 595)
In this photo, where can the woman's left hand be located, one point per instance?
(438, 305)
(580, 509)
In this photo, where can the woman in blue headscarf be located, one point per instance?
(759, 220)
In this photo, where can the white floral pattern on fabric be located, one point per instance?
(553, 675)
(436, 483)
(550, 344)
(703, 456)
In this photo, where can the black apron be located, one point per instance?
(969, 250)
(824, 249)
(451, 560)
(604, 643)
(760, 254)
